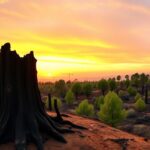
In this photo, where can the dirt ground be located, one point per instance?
(98, 137)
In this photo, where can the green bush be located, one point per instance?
(112, 111)
(69, 98)
(59, 103)
(140, 105)
(99, 101)
(85, 109)
(132, 91)
(138, 96)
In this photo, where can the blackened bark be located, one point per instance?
(23, 118)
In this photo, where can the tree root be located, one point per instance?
(60, 120)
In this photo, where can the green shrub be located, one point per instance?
(112, 111)
(69, 98)
(140, 105)
(138, 96)
(99, 101)
(85, 109)
(132, 91)
(59, 103)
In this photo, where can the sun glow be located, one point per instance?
(79, 39)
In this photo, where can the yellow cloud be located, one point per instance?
(3, 1)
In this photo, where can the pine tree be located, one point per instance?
(112, 111)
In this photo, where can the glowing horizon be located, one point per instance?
(86, 39)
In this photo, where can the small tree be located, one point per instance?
(112, 85)
(99, 101)
(60, 87)
(76, 89)
(143, 81)
(69, 98)
(138, 96)
(103, 86)
(118, 78)
(127, 77)
(132, 91)
(135, 80)
(85, 109)
(112, 111)
(127, 83)
(140, 105)
(87, 89)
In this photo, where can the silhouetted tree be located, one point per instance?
(87, 89)
(103, 86)
(118, 77)
(127, 77)
(143, 80)
(135, 80)
(76, 88)
(146, 94)
(60, 87)
(112, 84)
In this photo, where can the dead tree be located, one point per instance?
(23, 118)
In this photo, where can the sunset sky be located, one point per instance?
(87, 39)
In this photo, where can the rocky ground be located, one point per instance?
(98, 137)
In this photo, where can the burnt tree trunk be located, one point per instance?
(23, 118)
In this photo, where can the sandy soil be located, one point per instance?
(97, 137)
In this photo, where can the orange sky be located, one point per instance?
(87, 39)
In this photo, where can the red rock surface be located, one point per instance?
(97, 137)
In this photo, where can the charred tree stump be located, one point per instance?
(23, 118)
